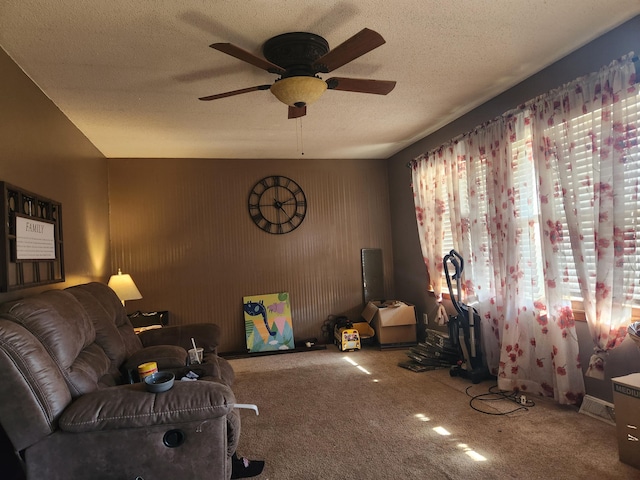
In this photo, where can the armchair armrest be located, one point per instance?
(206, 335)
(131, 406)
(166, 356)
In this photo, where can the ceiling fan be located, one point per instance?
(298, 57)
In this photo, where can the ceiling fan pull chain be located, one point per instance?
(299, 136)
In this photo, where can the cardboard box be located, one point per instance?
(626, 398)
(394, 322)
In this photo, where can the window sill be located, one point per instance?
(576, 306)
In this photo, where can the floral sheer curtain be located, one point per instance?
(429, 177)
(588, 166)
(510, 235)
(492, 223)
(539, 351)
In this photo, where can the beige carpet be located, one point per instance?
(321, 417)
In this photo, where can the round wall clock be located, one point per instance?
(277, 204)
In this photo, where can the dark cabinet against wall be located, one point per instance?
(32, 232)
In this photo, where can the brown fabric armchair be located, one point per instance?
(66, 406)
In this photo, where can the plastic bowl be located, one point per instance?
(159, 381)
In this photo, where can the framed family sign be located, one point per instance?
(32, 232)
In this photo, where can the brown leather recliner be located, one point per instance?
(66, 406)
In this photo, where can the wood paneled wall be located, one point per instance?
(182, 229)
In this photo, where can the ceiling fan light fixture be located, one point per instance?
(298, 91)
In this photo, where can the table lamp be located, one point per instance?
(125, 288)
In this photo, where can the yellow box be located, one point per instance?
(394, 322)
(626, 398)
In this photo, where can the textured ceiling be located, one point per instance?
(128, 73)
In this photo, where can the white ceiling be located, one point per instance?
(128, 73)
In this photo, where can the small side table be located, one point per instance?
(147, 320)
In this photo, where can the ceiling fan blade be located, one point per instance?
(235, 92)
(378, 87)
(296, 112)
(248, 57)
(362, 42)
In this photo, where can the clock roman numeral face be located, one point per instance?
(277, 204)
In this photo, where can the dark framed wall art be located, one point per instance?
(33, 245)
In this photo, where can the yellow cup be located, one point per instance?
(146, 369)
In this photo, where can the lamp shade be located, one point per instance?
(298, 91)
(125, 288)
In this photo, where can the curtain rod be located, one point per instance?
(636, 63)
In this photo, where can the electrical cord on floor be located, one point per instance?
(492, 395)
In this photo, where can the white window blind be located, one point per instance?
(525, 183)
(632, 199)
(448, 243)
(526, 194)
(581, 137)
(527, 223)
(447, 237)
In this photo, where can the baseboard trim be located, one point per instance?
(236, 355)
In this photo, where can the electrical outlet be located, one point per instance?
(425, 318)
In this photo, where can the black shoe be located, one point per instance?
(245, 468)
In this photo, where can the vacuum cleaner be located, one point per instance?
(464, 328)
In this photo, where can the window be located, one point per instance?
(525, 193)
(528, 212)
(525, 187)
(505, 211)
(584, 130)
